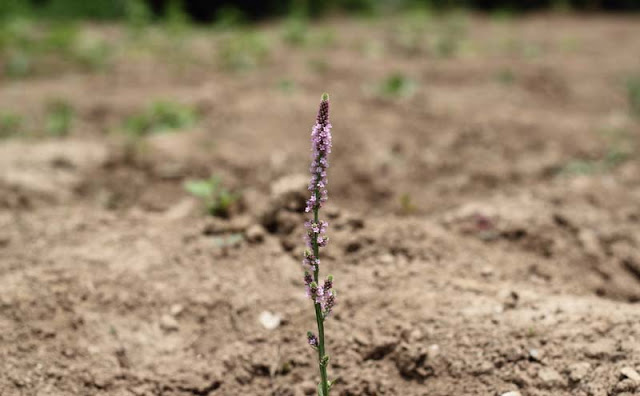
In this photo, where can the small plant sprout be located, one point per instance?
(243, 50)
(159, 117)
(396, 85)
(10, 125)
(322, 294)
(59, 118)
(216, 198)
(633, 93)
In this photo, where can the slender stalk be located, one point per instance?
(319, 318)
(322, 295)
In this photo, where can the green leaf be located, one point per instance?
(320, 393)
(199, 188)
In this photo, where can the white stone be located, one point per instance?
(269, 320)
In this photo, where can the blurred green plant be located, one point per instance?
(228, 17)
(76, 9)
(17, 38)
(446, 46)
(27, 48)
(93, 54)
(410, 36)
(451, 34)
(216, 198)
(61, 38)
(286, 85)
(372, 49)
(138, 16)
(59, 118)
(10, 125)
(243, 50)
(505, 76)
(407, 206)
(561, 6)
(160, 117)
(503, 14)
(18, 64)
(318, 65)
(176, 18)
(633, 94)
(296, 31)
(619, 150)
(11, 9)
(396, 85)
(323, 37)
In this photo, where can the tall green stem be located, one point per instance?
(324, 384)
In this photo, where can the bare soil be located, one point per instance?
(469, 255)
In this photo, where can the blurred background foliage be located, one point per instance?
(207, 10)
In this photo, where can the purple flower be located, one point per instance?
(315, 292)
(321, 147)
(312, 339)
(309, 261)
(308, 280)
(328, 296)
(328, 283)
(317, 231)
(328, 303)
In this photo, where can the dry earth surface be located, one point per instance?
(482, 240)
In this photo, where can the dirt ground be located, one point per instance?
(482, 239)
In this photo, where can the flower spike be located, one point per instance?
(323, 296)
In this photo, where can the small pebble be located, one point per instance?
(169, 323)
(255, 233)
(269, 320)
(628, 372)
(486, 271)
(535, 355)
(433, 351)
(550, 377)
(176, 309)
(386, 258)
(578, 371)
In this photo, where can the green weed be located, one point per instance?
(286, 86)
(18, 64)
(296, 31)
(10, 125)
(75, 9)
(451, 35)
(93, 54)
(61, 38)
(633, 95)
(561, 6)
(610, 160)
(160, 117)
(619, 150)
(396, 85)
(27, 49)
(412, 33)
(503, 14)
(407, 206)
(138, 16)
(505, 76)
(216, 198)
(176, 18)
(59, 118)
(229, 18)
(243, 50)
